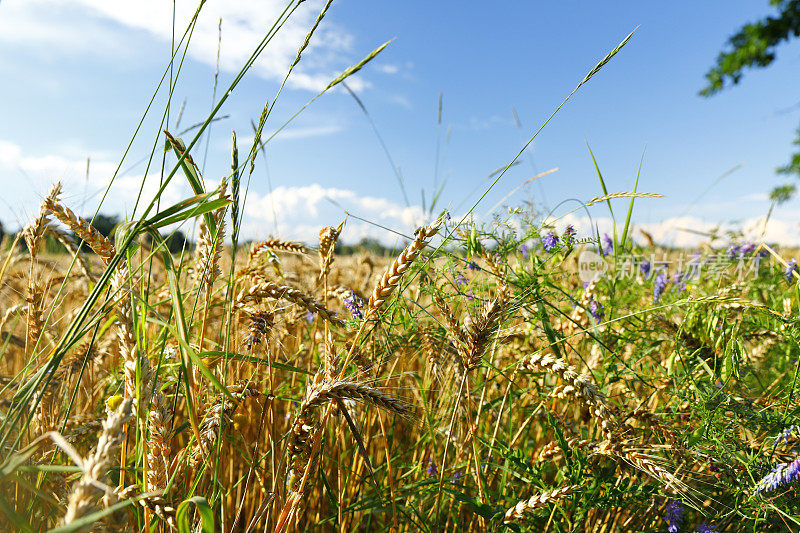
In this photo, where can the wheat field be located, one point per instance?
(470, 381)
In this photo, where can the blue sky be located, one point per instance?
(78, 75)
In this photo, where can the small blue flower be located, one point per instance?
(447, 215)
(673, 516)
(431, 470)
(472, 265)
(783, 474)
(457, 477)
(746, 249)
(309, 317)
(790, 268)
(354, 306)
(549, 241)
(644, 267)
(608, 245)
(470, 295)
(733, 251)
(460, 279)
(524, 250)
(569, 235)
(597, 311)
(659, 285)
(705, 528)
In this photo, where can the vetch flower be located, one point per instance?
(659, 285)
(705, 528)
(569, 235)
(596, 310)
(783, 474)
(673, 516)
(460, 279)
(746, 249)
(353, 305)
(644, 267)
(472, 265)
(309, 317)
(608, 245)
(470, 295)
(549, 241)
(790, 268)
(431, 470)
(523, 248)
(733, 250)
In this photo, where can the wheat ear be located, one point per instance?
(391, 278)
(268, 289)
(525, 507)
(101, 245)
(275, 244)
(81, 500)
(584, 389)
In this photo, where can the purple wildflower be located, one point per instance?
(549, 241)
(659, 285)
(790, 268)
(460, 279)
(472, 265)
(470, 295)
(354, 306)
(524, 250)
(673, 516)
(678, 279)
(457, 477)
(309, 317)
(596, 310)
(733, 250)
(705, 528)
(746, 249)
(431, 470)
(569, 235)
(644, 267)
(608, 245)
(788, 433)
(782, 474)
(447, 215)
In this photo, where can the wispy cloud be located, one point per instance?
(302, 211)
(93, 26)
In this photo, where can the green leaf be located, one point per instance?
(206, 515)
(192, 174)
(630, 207)
(198, 361)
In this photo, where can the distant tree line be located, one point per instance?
(177, 240)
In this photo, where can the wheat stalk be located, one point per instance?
(391, 278)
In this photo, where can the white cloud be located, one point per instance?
(92, 26)
(388, 68)
(302, 211)
(27, 178)
(690, 231)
